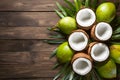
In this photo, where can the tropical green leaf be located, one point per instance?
(111, 42)
(94, 4)
(69, 12)
(63, 69)
(78, 4)
(58, 36)
(116, 21)
(53, 53)
(116, 37)
(117, 30)
(72, 7)
(67, 74)
(61, 8)
(95, 75)
(71, 76)
(56, 66)
(59, 14)
(54, 41)
(87, 3)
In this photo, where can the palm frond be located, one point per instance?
(53, 41)
(59, 14)
(63, 69)
(78, 5)
(72, 7)
(53, 53)
(87, 3)
(69, 12)
(57, 64)
(61, 8)
(117, 31)
(94, 4)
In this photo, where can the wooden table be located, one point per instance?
(23, 28)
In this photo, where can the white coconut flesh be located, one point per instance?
(100, 52)
(103, 31)
(82, 66)
(78, 41)
(85, 17)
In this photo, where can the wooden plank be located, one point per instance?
(24, 33)
(26, 65)
(25, 45)
(28, 19)
(29, 5)
(47, 78)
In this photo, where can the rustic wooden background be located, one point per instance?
(23, 54)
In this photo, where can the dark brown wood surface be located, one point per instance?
(23, 27)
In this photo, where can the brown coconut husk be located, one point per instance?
(81, 55)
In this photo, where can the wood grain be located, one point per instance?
(26, 64)
(29, 5)
(25, 45)
(25, 33)
(28, 19)
(23, 28)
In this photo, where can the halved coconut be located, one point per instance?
(81, 63)
(98, 51)
(78, 40)
(102, 31)
(85, 18)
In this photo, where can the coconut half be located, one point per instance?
(82, 63)
(102, 31)
(99, 51)
(78, 40)
(85, 18)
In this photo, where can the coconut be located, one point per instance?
(106, 12)
(101, 31)
(85, 18)
(78, 40)
(64, 53)
(67, 25)
(81, 63)
(98, 51)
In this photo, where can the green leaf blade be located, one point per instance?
(87, 3)
(59, 14)
(94, 4)
(61, 8)
(77, 4)
(53, 54)
(72, 7)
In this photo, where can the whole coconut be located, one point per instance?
(106, 12)
(64, 53)
(67, 25)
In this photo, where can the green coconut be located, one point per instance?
(67, 25)
(64, 53)
(108, 70)
(115, 53)
(106, 12)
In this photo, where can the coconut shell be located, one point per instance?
(90, 47)
(93, 34)
(80, 30)
(81, 55)
(88, 27)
